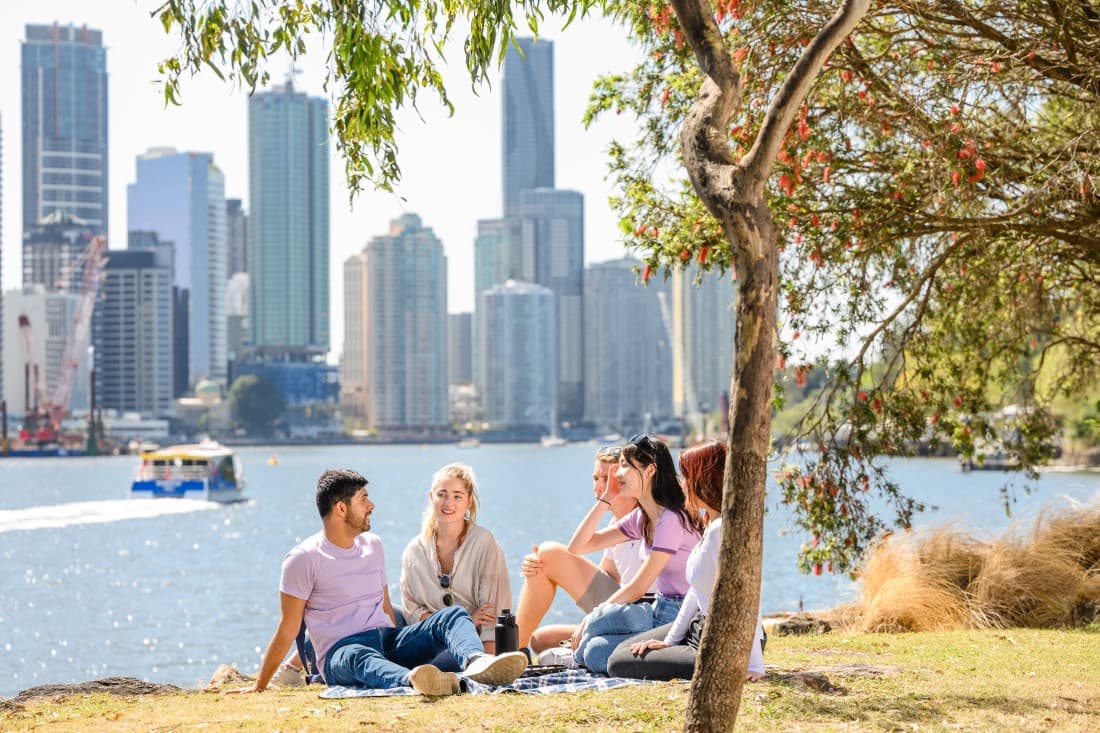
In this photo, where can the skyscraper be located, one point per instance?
(236, 316)
(703, 328)
(552, 255)
(627, 348)
(52, 249)
(236, 237)
(527, 145)
(288, 224)
(181, 197)
(64, 80)
(404, 328)
(460, 348)
(496, 260)
(518, 342)
(354, 381)
(134, 334)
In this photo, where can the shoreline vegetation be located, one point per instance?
(949, 633)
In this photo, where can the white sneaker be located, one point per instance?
(560, 655)
(427, 679)
(496, 669)
(288, 676)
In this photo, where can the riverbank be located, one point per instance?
(1016, 679)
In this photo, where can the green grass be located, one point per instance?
(1015, 680)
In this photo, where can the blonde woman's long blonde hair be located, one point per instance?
(463, 473)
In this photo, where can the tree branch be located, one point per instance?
(758, 161)
(704, 137)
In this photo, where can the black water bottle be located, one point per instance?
(506, 631)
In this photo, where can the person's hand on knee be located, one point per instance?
(642, 647)
(531, 565)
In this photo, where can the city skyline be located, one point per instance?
(453, 201)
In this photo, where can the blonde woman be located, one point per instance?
(454, 561)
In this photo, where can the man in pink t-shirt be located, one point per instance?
(336, 581)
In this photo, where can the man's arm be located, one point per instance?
(290, 620)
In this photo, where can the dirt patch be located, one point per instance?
(795, 624)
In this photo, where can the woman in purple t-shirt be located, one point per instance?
(669, 532)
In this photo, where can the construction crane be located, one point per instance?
(92, 260)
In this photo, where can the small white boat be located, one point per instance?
(208, 471)
(469, 443)
(552, 441)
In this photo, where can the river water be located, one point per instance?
(94, 584)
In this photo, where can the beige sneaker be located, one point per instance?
(496, 669)
(288, 676)
(427, 679)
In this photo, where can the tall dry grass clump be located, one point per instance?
(903, 591)
(941, 579)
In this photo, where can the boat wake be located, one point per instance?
(96, 512)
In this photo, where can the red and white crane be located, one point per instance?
(92, 259)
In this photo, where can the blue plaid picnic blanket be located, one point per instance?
(572, 680)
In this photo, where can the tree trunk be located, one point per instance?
(723, 658)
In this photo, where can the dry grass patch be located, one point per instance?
(1048, 576)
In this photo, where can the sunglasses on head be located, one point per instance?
(445, 583)
(610, 451)
(643, 442)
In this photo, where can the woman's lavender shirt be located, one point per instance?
(670, 536)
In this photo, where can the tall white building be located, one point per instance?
(181, 197)
(402, 338)
(518, 345)
(627, 348)
(703, 320)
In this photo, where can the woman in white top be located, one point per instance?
(455, 561)
(668, 652)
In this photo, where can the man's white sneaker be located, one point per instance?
(427, 679)
(496, 669)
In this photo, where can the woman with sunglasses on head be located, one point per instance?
(669, 532)
(455, 561)
(668, 652)
(552, 566)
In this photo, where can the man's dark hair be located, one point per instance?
(337, 484)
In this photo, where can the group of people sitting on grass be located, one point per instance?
(644, 603)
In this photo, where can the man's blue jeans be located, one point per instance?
(613, 623)
(382, 658)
